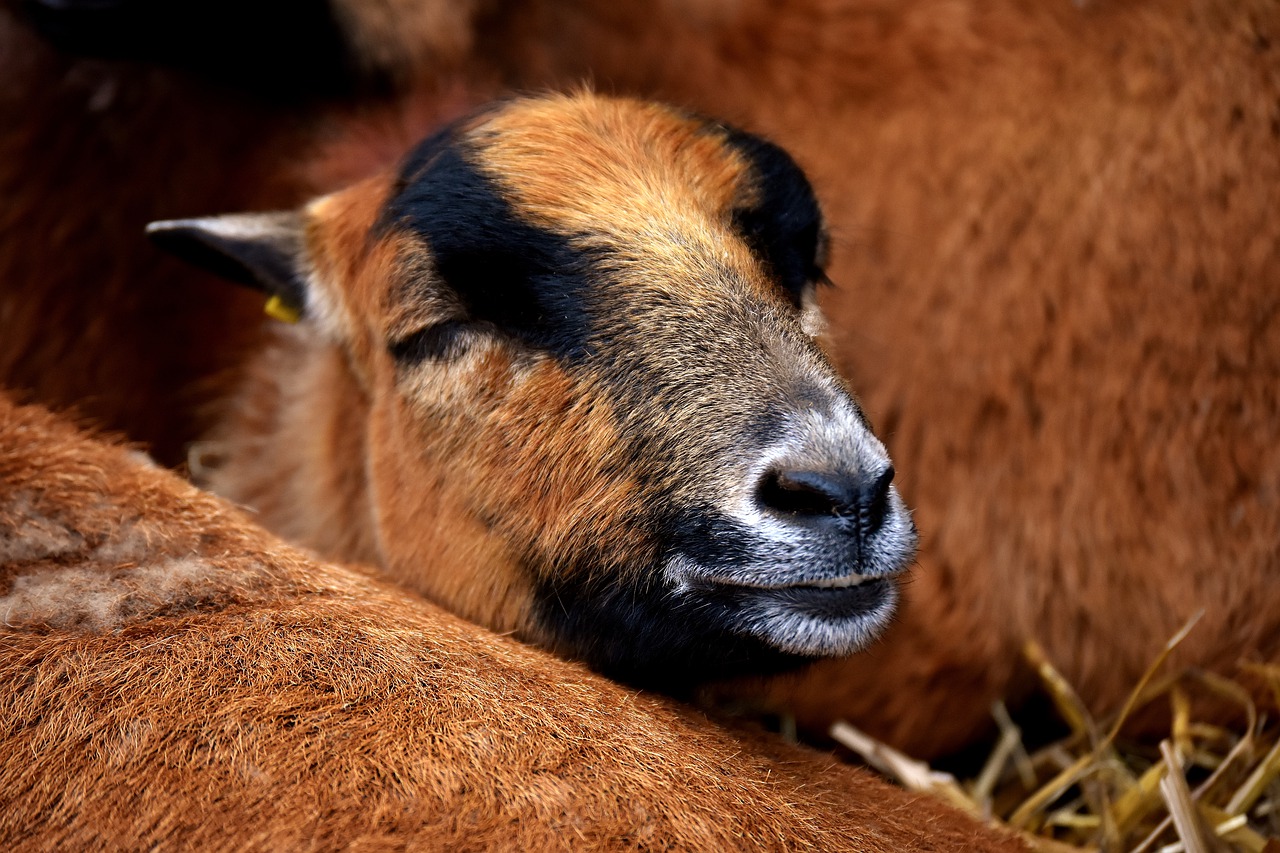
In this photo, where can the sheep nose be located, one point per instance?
(814, 495)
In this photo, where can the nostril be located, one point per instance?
(814, 494)
(805, 493)
(874, 502)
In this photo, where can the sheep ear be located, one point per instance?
(266, 251)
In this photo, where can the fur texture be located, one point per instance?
(1054, 238)
(227, 692)
(1055, 245)
(553, 373)
(93, 316)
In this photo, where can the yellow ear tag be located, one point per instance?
(277, 309)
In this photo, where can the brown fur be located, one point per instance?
(1055, 247)
(1054, 229)
(508, 465)
(91, 152)
(178, 678)
(404, 39)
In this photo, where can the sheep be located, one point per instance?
(177, 678)
(1053, 230)
(1055, 242)
(1056, 301)
(556, 372)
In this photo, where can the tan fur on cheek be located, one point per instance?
(501, 488)
(439, 547)
(553, 455)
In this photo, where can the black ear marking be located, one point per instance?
(784, 227)
(264, 251)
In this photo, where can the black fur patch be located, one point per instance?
(641, 633)
(785, 226)
(651, 638)
(524, 280)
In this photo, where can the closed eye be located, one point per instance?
(438, 342)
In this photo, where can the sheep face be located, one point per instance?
(580, 332)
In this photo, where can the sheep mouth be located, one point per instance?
(845, 582)
(832, 598)
(814, 620)
(723, 557)
(836, 583)
(871, 575)
(823, 617)
(704, 625)
(825, 599)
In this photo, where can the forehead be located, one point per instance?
(535, 209)
(583, 165)
(614, 165)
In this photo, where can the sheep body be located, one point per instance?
(176, 677)
(1054, 235)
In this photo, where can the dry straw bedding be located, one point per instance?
(1200, 787)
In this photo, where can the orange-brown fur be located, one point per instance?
(1002, 177)
(1055, 247)
(258, 699)
(487, 472)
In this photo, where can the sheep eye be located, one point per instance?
(437, 342)
(510, 275)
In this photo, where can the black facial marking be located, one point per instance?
(524, 280)
(642, 633)
(708, 538)
(784, 226)
(636, 628)
(722, 545)
(652, 639)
